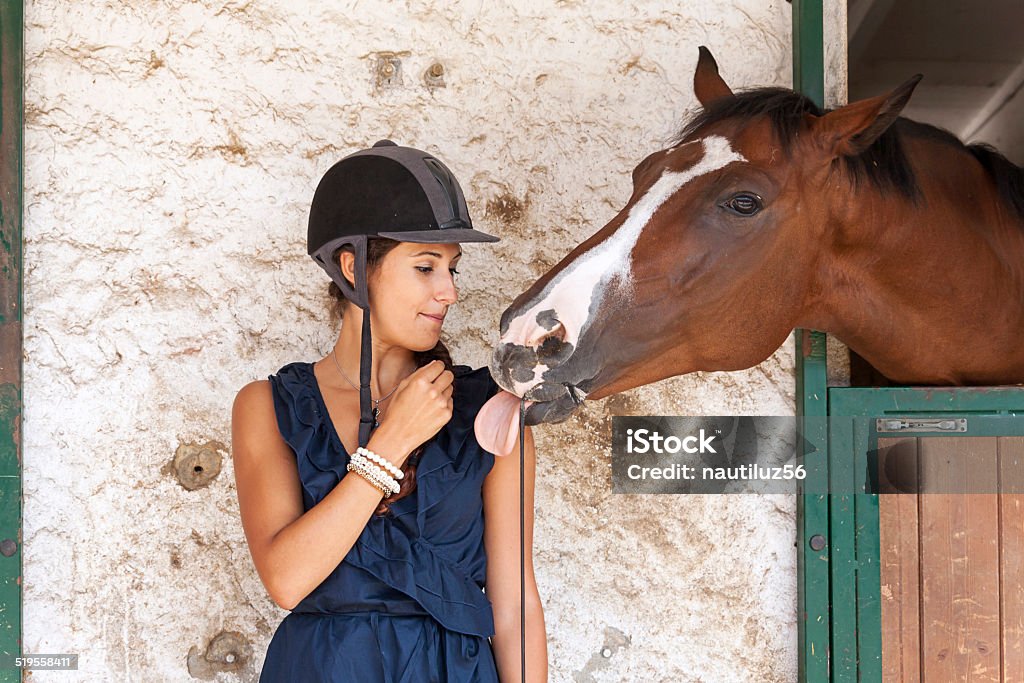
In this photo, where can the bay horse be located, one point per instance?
(767, 214)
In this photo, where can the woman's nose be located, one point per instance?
(448, 292)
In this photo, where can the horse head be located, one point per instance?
(710, 264)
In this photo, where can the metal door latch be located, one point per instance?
(906, 424)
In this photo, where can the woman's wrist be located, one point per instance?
(390, 446)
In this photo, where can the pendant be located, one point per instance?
(375, 413)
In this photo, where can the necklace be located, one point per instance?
(376, 401)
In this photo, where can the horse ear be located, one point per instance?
(850, 130)
(708, 86)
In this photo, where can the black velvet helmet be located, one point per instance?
(388, 191)
(385, 191)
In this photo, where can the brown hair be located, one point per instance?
(376, 250)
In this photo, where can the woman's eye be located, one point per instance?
(743, 204)
(430, 269)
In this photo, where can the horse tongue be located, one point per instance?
(497, 423)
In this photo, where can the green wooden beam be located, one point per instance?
(809, 49)
(11, 120)
(842, 551)
(923, 401)
(869, 556)
(813, 562)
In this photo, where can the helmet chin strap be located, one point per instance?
(365, 345)
(365, 411)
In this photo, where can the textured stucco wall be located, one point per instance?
(171, 152)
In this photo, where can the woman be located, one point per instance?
(381, 552)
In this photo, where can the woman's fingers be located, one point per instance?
(431, 371)
(444, 379)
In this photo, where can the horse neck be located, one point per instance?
(932, 291)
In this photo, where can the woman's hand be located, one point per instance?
(420, 406)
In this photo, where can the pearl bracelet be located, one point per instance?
(369, 479)
(371, 476)
(377, 478)
(361, 462)
(382, 461)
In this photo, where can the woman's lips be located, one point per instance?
(437, 318)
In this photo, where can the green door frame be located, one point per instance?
(11, 119)
(813, 617)
(812, 515)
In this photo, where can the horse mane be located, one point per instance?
(884, 164)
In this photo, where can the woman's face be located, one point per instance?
(410, 292)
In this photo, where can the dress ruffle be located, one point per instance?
(414, 567)
(304, 428)
(436, 557)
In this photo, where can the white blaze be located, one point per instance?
(583, 281)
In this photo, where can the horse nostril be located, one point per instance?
(554, 336)
(553, 349)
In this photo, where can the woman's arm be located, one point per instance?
(293, 552)
(501, 542)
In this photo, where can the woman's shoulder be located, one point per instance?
(261, 390)
(252, 390)
(284, 398)
(252, 417)
(253, 394)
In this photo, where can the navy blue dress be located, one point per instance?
(406, 605)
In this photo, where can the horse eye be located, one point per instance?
(744, 204)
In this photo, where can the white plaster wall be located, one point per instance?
(171, 153)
